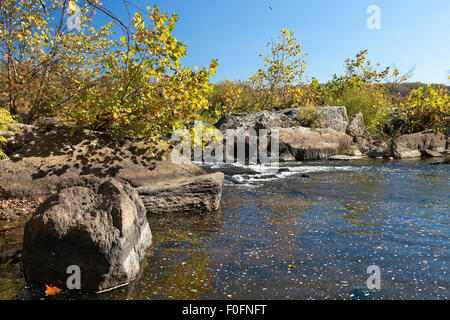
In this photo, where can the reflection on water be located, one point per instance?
(293, 237)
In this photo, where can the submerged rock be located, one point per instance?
(344, 157)
(104, 231)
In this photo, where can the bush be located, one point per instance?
(428, 108)
(361, 89)
(5, 122)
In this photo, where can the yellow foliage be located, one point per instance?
(5, 122)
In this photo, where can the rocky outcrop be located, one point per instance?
(189, 194)
(333, 118)
(357, 130)
(104, 231)
(259, 120)
(418, 144)
(296, 141)
(45, 162)
(328, 117)
(302, 143)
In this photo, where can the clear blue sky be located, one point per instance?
(413, 33)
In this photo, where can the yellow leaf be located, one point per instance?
(73, 7)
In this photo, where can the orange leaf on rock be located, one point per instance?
(52, 290)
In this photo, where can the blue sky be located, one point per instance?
(413, 33)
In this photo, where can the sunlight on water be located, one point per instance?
(305, 231)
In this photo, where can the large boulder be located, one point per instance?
(259, 120)
(357, 130)
(189, 194)
(302, 143)
(418, 144)
(328, 117)
(332, 117)
(104, 231)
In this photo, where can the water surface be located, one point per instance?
(306, 231)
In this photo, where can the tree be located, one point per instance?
(135, 86)
(283, 70)
(42, 58)
(148, 91)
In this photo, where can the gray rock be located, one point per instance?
(430, 153)
(329, 117)
(102, 230)
(259, 120)
(191, 194)
(357, 130)
(312, 144)
(413, 145)
(380, 150)
(332, 117)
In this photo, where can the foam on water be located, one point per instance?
(254, 174)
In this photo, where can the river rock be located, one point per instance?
(188, 194)
(312, 144)
(332, 117)
(259, 120)
(357, 130)
(379, 149)
(418, 144)
(329, 117)
(104, 231)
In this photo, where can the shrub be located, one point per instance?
(428, 108)
(5, 122)
(361, 89)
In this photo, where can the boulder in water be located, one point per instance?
(103, 231)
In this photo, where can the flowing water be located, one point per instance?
(304, 231)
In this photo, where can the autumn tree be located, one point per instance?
(132, 86)
(283, 69)
(42, 58)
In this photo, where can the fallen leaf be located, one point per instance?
(379, 248)
(52, 290)
(291, 266)
(39, 200)
(425, 261)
